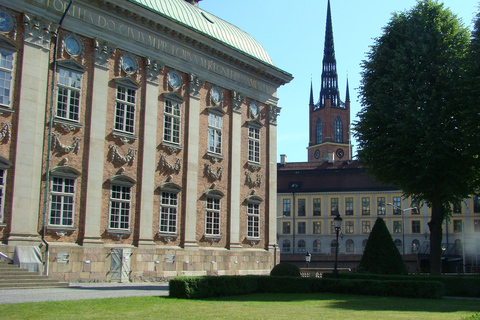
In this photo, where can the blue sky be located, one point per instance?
(293, 34)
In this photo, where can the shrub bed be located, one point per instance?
(456, 286)
(205, 287)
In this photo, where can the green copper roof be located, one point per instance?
(208, 24)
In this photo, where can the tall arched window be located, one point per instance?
(317, 246)
(349, 246)
(333, 246)
(286, 246)
(301, 246)
(338, 130)
(319, 131)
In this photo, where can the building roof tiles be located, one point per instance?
(209, 25)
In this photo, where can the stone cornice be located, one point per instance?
(191, 38)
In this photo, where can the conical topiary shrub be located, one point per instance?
(381, 255)
(285, 269)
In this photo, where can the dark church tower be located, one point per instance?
(330, 117)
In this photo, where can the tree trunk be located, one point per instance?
(435, 226)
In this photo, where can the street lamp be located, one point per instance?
(338, 224)
(308, 258)
(403, 225)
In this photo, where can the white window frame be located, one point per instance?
(62, 201)
(168, 212)
(253, 220)
(286, 226)
(397, 206)
(365, 206)
(366, 227)
(317, 207)
(215, 125)
(397, 227)
(69, 88)
(317, 227)
(253, 144)
(9, 72)
(172, 121)
(121, 204)
(212, 216)
(124, 103)
(381, 207)
(349, 227)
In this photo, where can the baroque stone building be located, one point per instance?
(138, 140)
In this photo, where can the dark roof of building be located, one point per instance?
(339, 176)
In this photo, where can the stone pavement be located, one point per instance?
(80, 291)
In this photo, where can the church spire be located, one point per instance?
(311, 93)
(347, 96)
(329, 89)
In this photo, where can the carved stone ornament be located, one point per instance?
(172, 148)
(253, 183)
(153, 68)
(254, 166)
(9, 24)
(38, 31)
(102, 52)
(211, 174)
(127, 63)
(67, 127)
(165, 166)
(195, 84)
(237, 100)
(72, 45)
(117, 157)
(167, 237)
(5, 132)
(273, 113)
(56, 144)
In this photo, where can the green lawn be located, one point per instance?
(254, 306)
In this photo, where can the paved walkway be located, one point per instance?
(80, 291)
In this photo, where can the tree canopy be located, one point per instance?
(417, 129)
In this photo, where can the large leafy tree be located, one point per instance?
(416, 129)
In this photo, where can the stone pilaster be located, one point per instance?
(274, 111)
(96, 151)
(31, 131)
(236, 170)
(149, 154)
(191, 190)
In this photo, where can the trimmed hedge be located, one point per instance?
(209, 286)
(206, 287)
(455, 286)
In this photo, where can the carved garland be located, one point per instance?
(56, 144)
(5, 131)
(213, 175)
(253, 183)
(168, 167)
(128, 158)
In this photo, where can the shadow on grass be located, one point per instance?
(122, 288)
(362, 303)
